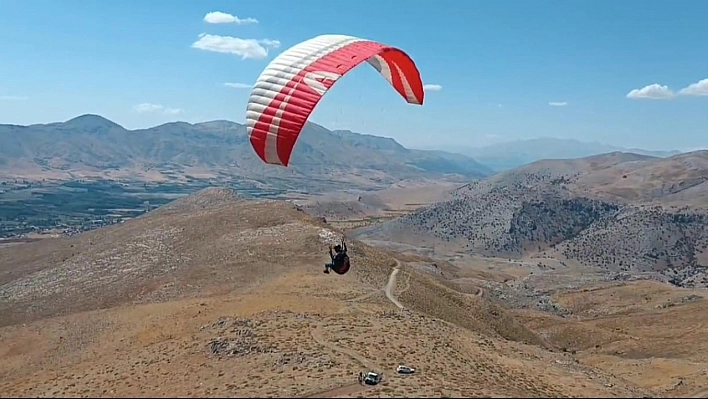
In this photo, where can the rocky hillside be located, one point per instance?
(586, 211)
(91, 145)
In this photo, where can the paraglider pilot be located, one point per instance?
(339, 258)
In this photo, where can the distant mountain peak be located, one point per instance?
(219, 124)
(173, 124)
(92, 120)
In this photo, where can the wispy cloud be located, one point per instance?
(238, 85)
(431, 87)
(245, 48)
(651, 92)
(269, 43)
(13, 98)
(558, 103)
(699, 88)
(147, 108)
(218, 17)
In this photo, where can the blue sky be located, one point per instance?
(499, 64)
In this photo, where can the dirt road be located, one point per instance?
(366, 363)
(390, 286)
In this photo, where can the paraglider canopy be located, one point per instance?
(289, 88)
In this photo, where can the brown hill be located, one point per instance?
(679, 180)
(393, 200)
(584, 210)
(213, 295)
(647, 333)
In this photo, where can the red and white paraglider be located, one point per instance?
(290, 87)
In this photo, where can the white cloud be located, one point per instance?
(270, 43)
(557, 103)
(246, 48)
(218, 17)
(155, 109)
(653, 92)
(238, 85)
(699, 88)
(432, 87)
(13, 98)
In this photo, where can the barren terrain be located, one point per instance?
(615, 212)
(218, 296)
(352, 209)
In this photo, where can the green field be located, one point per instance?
(83, 205)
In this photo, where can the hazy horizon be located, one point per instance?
(460, 149)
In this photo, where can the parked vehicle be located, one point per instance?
(372, 378)
(401, 369)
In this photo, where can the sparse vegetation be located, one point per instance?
(233, 289)
(549, 210)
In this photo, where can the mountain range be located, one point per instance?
(90, 146)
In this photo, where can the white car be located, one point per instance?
(372, 378)
(401, 369)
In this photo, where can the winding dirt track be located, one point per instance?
(390, 286)
(317, 335)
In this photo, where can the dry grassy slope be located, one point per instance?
(464, 310)
(350, 209)
(620, 177)
(174, 288)
(678, 180)
(198, 245)
(397, 198)
(553, 203)
(545, 171)
(648, 333)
